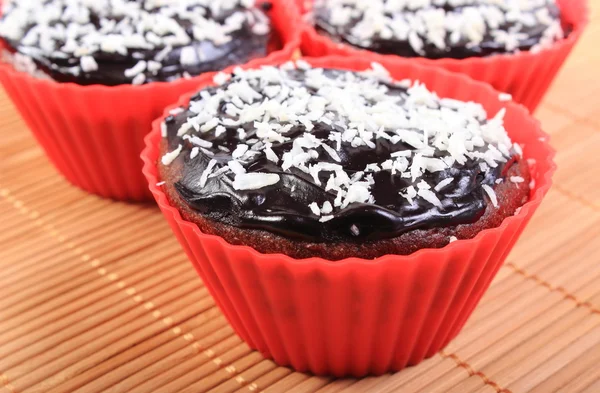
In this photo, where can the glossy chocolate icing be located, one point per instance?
(283, 207)
(530, 37)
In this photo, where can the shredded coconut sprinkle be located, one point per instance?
(277, 114)
(444, 183)
(315, 209)
(207, 172)
(254, 181)
(168, 158)
(491, 194)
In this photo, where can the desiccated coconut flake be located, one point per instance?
(429, 196)
(207, 152)
(188, 56)
(163, 53)
(314, 208)
(410, 194)
(254, 181)
(207, 172)
(261, 29)
(491, 194)
(209, 125)
(88, 64)
(185, 127)
(504, 97)
(240, 150)
(516, 179)
(357, 192)
(199, 141)
(220, 130)
(270, 154)
(453, 239)
(401, 153)
(332, 153)
(423, 185)
(221, 78)
(136, 69)
(168, 158)
(236, 167)
(154, 66)
(139, 79)
(443, 184)
(373, 167)
(219, 172)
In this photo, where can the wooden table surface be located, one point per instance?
(97, 296)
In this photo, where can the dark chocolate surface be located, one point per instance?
(283, 208)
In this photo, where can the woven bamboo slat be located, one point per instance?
(97, 296)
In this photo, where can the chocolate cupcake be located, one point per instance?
(382, 314)
(114, 42)
(515, 46)
(313, 162)
(441, 29)
(89, 77)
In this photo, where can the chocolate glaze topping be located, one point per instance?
(441, 28)
(332, 178)
(114, 42)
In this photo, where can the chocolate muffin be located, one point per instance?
(328, 163)
(441, 28)
(113, 42)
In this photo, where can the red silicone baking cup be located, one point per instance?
(357, 316)
(526, 75)
(303, 5)
(94, 134)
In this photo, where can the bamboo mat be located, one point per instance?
(97, 296)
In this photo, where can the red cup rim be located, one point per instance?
(150, 155)
(579, 23)
(286, 52)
